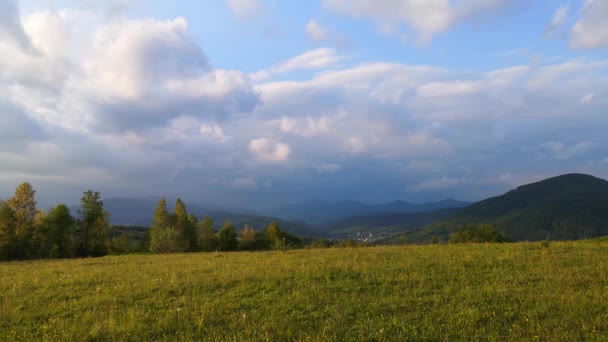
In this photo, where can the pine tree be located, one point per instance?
(161, 215)
(93, 237)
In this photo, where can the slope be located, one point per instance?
(565, 207)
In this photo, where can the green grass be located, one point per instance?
(524, 291)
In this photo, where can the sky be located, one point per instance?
(258, 103)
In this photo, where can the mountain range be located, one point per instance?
(565, 207)
(138, 212)
(317, 211)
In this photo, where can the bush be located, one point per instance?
(477, 233)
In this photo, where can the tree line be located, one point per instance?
(27, 232)
(30, 233)
(180, 232)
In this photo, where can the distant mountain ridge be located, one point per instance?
(317, 211)
(138, 212)
(565, 207)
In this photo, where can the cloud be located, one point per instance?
(135, 106)
(559, 150)
(314, 59)
(328, 167)
(440, 184)
(591, 31)
(10, 25)
(141, 74)
(269, 150)
(557, 22)
(245, 183)
(587, 98)
(213, 131)
(426, 18)
(306, 127)
(316, 32)
(245, 8)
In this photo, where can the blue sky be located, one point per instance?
(257, 103)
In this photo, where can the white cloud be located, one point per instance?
(10, 25)
(139, 74)
(306, 127)
(315, 31)
(245, 8)
(314, 59)
(591, 31)
(213, 131)
(269, 150)
(557, 22)
(426, 18)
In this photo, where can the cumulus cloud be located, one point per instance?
(426, 18)
(269, 150)
(136, 102)
(134, 75)
(591, 31)
(306, 127)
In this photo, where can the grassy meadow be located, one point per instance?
(524, 291)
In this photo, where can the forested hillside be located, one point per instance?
(567, 207)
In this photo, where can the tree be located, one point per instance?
(161, 215)
(275, 236)
(7, 232)
(248, 239)
(227, 237)
(185, 226)
(207, 240)
(60, 232)
(163, 236)
(477, 233)
(23, 205)
(93, 236)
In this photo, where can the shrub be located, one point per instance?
(477, 233)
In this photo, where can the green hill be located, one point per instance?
(567, 207)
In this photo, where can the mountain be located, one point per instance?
(138, 212)
(386, 223)
(566, 207)
(316, 211)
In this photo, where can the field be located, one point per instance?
(524, 291)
